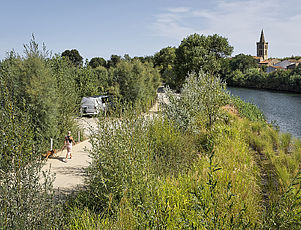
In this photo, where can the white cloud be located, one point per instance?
(179, 9)
(169, 24)
(240, 21)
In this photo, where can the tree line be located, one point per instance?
(211, 54)
(243, 71)
(195, 53)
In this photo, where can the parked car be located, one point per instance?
(94, 105)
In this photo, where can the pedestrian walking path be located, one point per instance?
(69, 175)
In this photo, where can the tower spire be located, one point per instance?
(262, 47)
(262, 40)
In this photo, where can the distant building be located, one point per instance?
(269, 62)
(258, 59)
(272, 64)
(292, 66)
(262, 47)
(273, 68)
(284, 64)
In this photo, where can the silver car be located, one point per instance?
(94, 105)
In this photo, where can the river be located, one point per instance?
(280, 107)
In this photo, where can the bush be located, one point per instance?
(26, 195)
(200, 101)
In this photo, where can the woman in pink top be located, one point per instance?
(68, 143)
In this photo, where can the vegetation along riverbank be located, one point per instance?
(207, 161)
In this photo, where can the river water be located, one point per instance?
(282, 108)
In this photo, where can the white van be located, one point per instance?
(94, 105)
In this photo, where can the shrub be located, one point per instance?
(202, 96)
(26, 195)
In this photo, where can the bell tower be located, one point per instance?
(262, 47)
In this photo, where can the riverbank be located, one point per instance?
(281, 109)
(275, 90)
(240, 172)
(284, 80)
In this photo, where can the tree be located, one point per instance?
(198, 52)
(243, 62)
(165, 60)
(165, 57)
(26, 195)
(74, 56)
(145, 59)
(115, 59)
(138, 81)
(97, 61)
(40, 93)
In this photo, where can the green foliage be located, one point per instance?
(288, 80)
(173, 152)
(44, 87)
(165, 61)
(137, 82)
(66, 96)
(87, 82)
(198, 167)
(242, 62)
(142, 176)
(199, 103)
(115, 59)
(149, 174)
(97, 61)
(74, 57)
(26, 195)
(40, 95)
(84, 219)
(149, 59)
(247, 110)
(285, 213)
(120, 162)
(198, 52)
(207, 203)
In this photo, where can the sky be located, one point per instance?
(143, 27)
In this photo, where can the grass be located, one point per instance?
(240, 174)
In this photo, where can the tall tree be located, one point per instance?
(198, 52)
(243, 62)
(138, 81)
(165, 57)
(97, 61)
(115, 59)
(165, 60)
(74, 56)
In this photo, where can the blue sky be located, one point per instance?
(143, 27)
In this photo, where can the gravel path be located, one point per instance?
(69, 176)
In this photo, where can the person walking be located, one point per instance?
(68, 143)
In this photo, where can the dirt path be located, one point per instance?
(70, 176)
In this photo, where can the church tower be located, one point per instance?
(262, 47)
